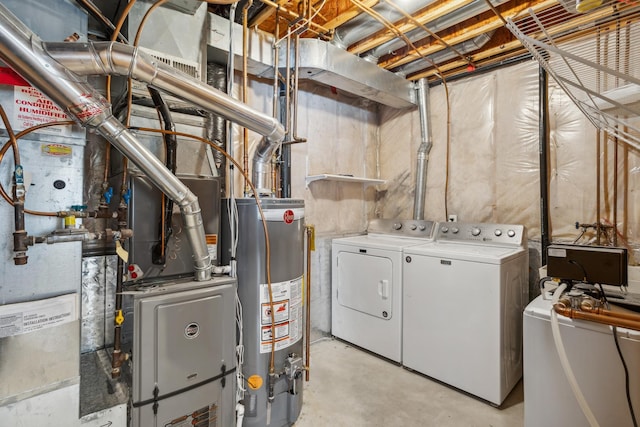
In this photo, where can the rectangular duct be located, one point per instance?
(320, 61)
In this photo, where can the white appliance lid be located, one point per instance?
(466, 252)
(380, 241)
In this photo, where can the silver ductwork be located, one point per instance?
(437, 25)
(423, 150)
(23, 51)
(102, 58)
(326, 63)
(364, 25)
(445, 55)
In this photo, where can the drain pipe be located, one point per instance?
(23, 51)
(423, 150)
(100, 58)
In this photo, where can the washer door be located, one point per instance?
(365, 283)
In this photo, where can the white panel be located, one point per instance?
(111, 417)
(365, 284)
(56, 408)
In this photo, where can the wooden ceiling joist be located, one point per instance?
(467, 33)
(433, 12)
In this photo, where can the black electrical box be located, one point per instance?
(594, 264)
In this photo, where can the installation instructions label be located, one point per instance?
(287, 313)
(21, 318)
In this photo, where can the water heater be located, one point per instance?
(284, 219)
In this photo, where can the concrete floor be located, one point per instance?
(350, 387)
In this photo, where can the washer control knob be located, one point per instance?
(498, 232)
(413, 226)
(475, 231)
(511, 233)
(444, 229)
(397, 225)
(455, 230)
(422, 227)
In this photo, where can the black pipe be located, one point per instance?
(158, 256)
(543, 129)
(285, 153)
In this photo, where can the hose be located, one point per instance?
(564, 361)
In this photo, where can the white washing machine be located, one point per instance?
(464, 295)
(592, 354)
(366, 284)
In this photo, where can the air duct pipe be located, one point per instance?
(112, 58)
(423, 150)
(23, 51)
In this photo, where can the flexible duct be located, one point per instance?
(23, 51)
(423, 150)
(102, 58)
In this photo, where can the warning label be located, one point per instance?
(287, 314)
(16, 319)
(33, 108)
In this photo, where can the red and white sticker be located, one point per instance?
(287, 311)
(288, 216)
(33, 108)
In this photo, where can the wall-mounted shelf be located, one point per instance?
(343, 178)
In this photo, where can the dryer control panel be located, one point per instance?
(493, 234)
(402, 227)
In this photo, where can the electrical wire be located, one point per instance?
(624, 363)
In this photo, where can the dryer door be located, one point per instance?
(365, 283)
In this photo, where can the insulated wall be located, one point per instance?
(493, 159)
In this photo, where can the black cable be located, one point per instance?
(541, 283)
(624, 364)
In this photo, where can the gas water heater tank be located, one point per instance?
(284, 219)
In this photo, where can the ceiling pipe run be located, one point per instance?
(444, 55)
(447, 21)
(423, 150)
(364, 25)
(23, 51)
(102, 58)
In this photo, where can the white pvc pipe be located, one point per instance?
(564, 361)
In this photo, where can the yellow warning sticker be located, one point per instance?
(57, 150)
(254, 382)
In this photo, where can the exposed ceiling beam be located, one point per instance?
(429, 14)
(293, 16)
(467, 33)
(348, 15)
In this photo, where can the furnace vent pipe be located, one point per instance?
(424, 149)
(102, 58)
(23, 51)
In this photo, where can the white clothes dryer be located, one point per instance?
(464, 295)
(366, 284)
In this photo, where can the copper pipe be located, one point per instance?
(599, 315)
(598, 149)
(245, 78)
(309, 230)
